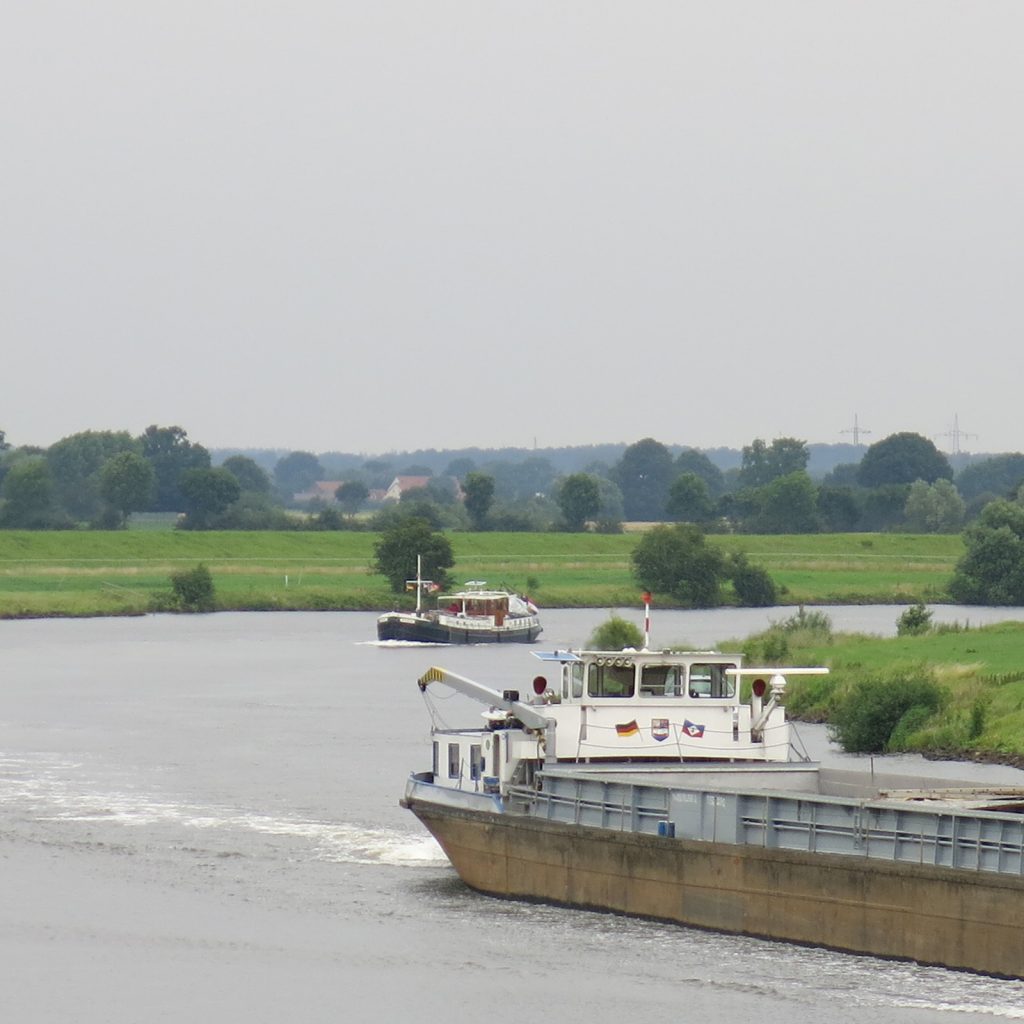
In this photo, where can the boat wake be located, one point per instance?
(399, 643)
(56, 794)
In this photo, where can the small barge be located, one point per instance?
(472, 615)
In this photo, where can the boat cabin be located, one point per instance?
(607, 707)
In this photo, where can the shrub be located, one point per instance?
(754, 587)
(865, 719)
(193, 589)
(915, 621)
(616, 634)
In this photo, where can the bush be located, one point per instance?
(915, 621)
(865, 719)
(754, 587)
(193, 589)
(677, 560)
(616, 634)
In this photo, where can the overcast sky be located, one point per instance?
(374, 226)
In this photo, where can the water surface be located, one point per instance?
(199, 820)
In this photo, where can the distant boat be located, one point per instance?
(472, 615)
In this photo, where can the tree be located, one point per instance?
(611, 507)
(397, 550)
(579, 498)
(251, 476)
(126, 484)
(934, 508)
(478, 491)
(171, 454)
(1001, 475)
(28, 496)
(677, 560)
(352, 495)
(460, 467)
(902, 459)
(76, 463)
(689, 499)
(789, 505)
(991, 570)
(838, 508)
(761, 463)
(689, 460)
(207, 493)
(297, 472)
(644, 474)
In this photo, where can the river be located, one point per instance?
(199, 820)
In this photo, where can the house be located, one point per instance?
(401, 484)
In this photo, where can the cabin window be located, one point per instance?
(711, 681)
(610, 680)
(476, 761)
(454, 762)
(661, 681)
(435, 765)
(577, 679)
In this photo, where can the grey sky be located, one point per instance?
(388, 225)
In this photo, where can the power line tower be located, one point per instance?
(956, 435)
(856, 430)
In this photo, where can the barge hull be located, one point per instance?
(932, 915)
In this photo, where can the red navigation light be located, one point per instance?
(759, 687)
(540, 684)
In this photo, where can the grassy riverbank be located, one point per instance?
(128, 572)
(975, 675)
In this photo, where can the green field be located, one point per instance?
(978, 671)
(128, 572)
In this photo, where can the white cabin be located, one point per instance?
(616, 707)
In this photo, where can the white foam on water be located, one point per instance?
(58, 791)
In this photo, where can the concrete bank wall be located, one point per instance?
(972, 920)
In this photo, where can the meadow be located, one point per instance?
(128, 572)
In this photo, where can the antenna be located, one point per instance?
(956, 435)
(856, 430)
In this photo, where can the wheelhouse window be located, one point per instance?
(661, 681)
(476, 761)
(610, 680)
(711, 681)
(453, 761)
(577, 679)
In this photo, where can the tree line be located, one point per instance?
(99, 479)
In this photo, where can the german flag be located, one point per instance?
(629, 729)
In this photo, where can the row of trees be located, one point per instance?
(101, 478)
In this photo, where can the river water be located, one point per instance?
(199, 821)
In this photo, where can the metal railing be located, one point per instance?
(967, 839)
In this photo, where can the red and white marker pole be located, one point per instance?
(647, 619)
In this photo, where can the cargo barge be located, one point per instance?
(640, 782)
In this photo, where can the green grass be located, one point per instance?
(979, 671)
(124, 572)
